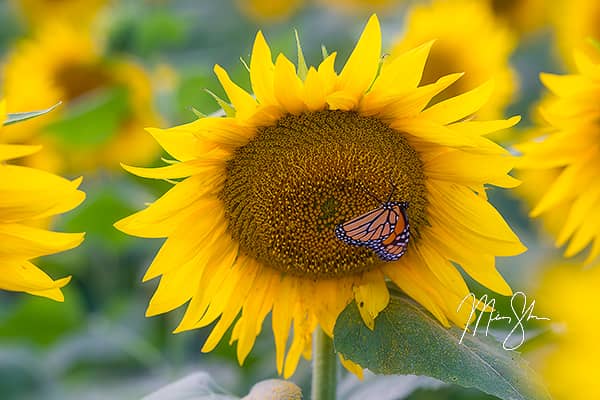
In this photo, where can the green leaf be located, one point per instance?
(22, 116)
(409, 340)
(302, 68)
(198, 386)
(225, 106)
(93, 119)
(324, 51)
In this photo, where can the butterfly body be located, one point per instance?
(385, 230)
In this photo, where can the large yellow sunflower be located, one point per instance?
(250, 226)
(61, 63)
(269, 10)
(358, 6)
(26, 196)
(576, 22)
(560, 169)
(569, 296)
(469, 39)
(77, 12)
(524, 16)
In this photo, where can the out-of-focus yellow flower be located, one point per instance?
(64, 64)
(576, 21)
(357, 6)
(77, 12)
(28, 195)
(270, 10)
(569, 295)
(468, 39)
(253, 226)
(560, 168)
(524, 16)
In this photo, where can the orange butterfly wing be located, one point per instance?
(384, 230)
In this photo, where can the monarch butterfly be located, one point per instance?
(385, 230)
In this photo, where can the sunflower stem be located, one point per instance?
(324, 380)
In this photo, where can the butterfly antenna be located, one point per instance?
(371, 194)
(392, 192)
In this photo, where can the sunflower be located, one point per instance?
(26, 196)
(560, 169)
(358, 6)
(568, 295)
(61, 63)
(472, 41)
(524, 16)
(77, 12)
(576, 22)
(250, 226)
(269, 10)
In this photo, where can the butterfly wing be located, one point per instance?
(394, 246)
(369, 228)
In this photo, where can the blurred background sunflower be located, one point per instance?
(121, 66)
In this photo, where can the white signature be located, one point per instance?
(520, 315)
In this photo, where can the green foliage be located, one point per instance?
(409, 340)
(145, 30)
(41, 321)
(92, 120)
(97, 215)
(192, 93)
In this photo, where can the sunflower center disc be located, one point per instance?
(287, 189)
(80, 79)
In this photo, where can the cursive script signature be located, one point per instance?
(520, 316)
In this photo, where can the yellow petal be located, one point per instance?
(12, 151)
(371, 296)
(182, 145)
(28, 193)
(394, 105)
(582, 207)
(584, 235)
(287, 86)
(443, 270)
(468, 214)
(461, 106)
(241, 100)
(483, 127)
(362, 65)
(478, 264)
(471, 169)
(28, 242)
(341, 100)
(178, 249)
(179, 170)
(223, 273)
(282, 317)
(261, 71)
(570, 180)
(565, 85)
(405, 274)
(254, 312)
(23, 276)
(232, 308)
(352, 367)
(402, 73)
(171, 210)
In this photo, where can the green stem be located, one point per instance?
(324, 367)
